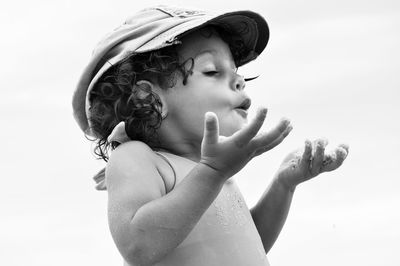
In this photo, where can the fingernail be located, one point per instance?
(264, 110)
(321, 143)
(345, 146)
(343, 152)
(285, 121)
(209, 116)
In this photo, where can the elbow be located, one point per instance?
(140, 255)
(133, 245)
(136, 257)
(137, 246)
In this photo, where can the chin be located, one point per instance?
(231, 129)
(232, 123)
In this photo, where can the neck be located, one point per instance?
(177, 142)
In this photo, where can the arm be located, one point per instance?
(162, 222)
(270, 213)
(146, 224)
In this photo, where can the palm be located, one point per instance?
(306, 163)
(228, 155)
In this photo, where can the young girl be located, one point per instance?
(163, 93)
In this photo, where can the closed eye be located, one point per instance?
(211, 73)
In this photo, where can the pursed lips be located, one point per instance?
(242, 109)
(241, 112)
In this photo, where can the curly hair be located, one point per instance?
(117, 97)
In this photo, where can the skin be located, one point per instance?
(213, 86)
(202, 125)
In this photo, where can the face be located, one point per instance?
(213, 86)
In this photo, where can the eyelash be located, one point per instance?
(211, 73)
(214, 72)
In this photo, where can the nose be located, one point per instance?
(239, 82)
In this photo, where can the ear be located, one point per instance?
(157, 90)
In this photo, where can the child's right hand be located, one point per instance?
(228, 155)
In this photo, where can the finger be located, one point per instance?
(345, 147)
(243, 136)
(211, 128)
(270, 139)
(307, 155)
(259, 141)
(334, 159)
(318, 156)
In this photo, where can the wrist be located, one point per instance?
(214, 175)
(284, 183)
(203, 164)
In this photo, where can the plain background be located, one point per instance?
(331, 67)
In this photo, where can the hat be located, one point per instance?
(155, 28)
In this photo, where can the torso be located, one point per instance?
(225, 234)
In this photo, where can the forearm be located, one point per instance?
(271, 211)
(161, 225)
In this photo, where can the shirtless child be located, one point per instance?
(163, 93)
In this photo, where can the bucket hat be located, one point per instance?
(157, 27)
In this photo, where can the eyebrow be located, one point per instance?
(202, 52)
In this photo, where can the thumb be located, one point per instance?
(211, 128)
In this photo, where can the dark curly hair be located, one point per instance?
(117, 97)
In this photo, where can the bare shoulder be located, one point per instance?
(130, 152)
(132, 178)
(137, 157)
(133, 163)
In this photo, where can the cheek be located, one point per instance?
(190, 115)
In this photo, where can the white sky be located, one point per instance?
(331, 67)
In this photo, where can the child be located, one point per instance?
(163, 93)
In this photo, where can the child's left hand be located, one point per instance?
(304, 164)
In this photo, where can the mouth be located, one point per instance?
(244, 107)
